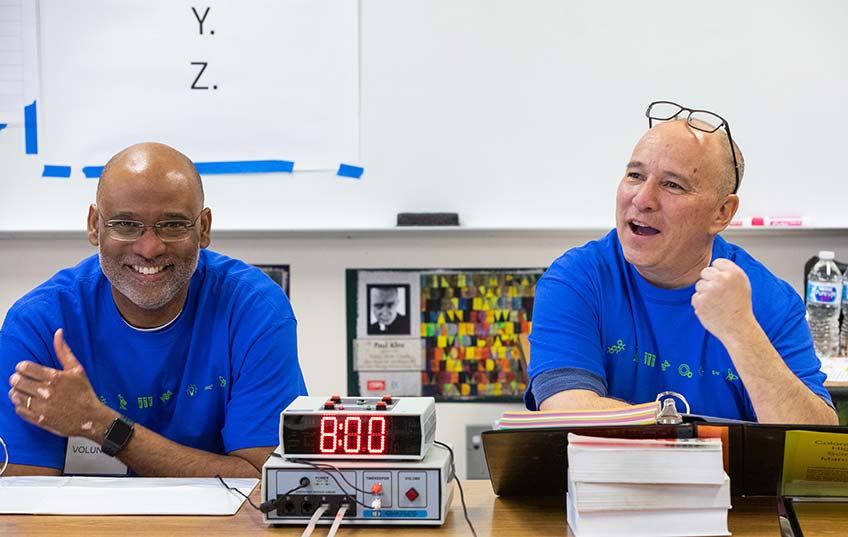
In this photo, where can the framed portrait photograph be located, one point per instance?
(388, 309)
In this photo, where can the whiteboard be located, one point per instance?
(225, 81)
(513, 114)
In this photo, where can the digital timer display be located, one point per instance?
(351, 435)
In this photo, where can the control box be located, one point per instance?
(407, 492)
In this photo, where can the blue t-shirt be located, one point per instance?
(215, 379)
(594, 312)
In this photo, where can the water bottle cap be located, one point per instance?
(826, 254)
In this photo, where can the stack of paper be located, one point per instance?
(836, 368)
(66, 495)
(644, 414)
(629, 487)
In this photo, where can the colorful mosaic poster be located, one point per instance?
(470, 324)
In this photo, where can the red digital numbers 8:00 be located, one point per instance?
(353, 434)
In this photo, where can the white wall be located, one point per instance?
(318, 262)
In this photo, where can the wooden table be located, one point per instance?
(492, 516)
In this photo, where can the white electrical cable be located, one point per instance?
(338, 521)
(6, 460)
(314, 520)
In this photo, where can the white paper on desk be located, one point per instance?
(836, 368)
(42, 495)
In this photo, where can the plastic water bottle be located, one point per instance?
(843, 333)
(824, 297)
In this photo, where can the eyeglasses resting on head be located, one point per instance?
(702, 120)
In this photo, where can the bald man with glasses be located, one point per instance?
(662, 303)
(156, 357)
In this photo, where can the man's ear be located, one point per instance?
(93, 229)
(205, 227)
(724, 213)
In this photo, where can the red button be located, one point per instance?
(387, 399)
(381, 405)
(329, 405)
(336, 398)
(376, 488)
(411, 494)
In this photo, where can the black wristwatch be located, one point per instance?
(117, 435)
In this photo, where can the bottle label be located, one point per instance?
(824, 293)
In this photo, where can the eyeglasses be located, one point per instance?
(702, 120)
(166, 230)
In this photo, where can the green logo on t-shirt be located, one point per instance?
(617, 348)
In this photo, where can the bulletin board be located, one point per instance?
(453, 334)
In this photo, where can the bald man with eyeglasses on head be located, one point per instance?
(662, 303)
(171, 359)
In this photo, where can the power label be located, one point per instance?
(395, 513)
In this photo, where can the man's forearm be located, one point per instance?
(580, 400)
(152, 455)
(25, 469)
(777, 394)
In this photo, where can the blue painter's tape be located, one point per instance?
(2, 126)
(212, 168)
(56, 171)
(346, 170)
(31, 129)
(244, 166)
(92, 172)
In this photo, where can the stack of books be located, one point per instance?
(641, 487)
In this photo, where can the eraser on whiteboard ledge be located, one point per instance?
(427, 219)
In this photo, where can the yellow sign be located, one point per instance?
(815, 464)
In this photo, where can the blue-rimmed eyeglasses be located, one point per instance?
(132, 230)
(702, 120)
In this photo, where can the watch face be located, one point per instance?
(117, 435)
(120, 431)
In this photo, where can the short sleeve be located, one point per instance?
(566, 325)
(268, 378)
(794, 344)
